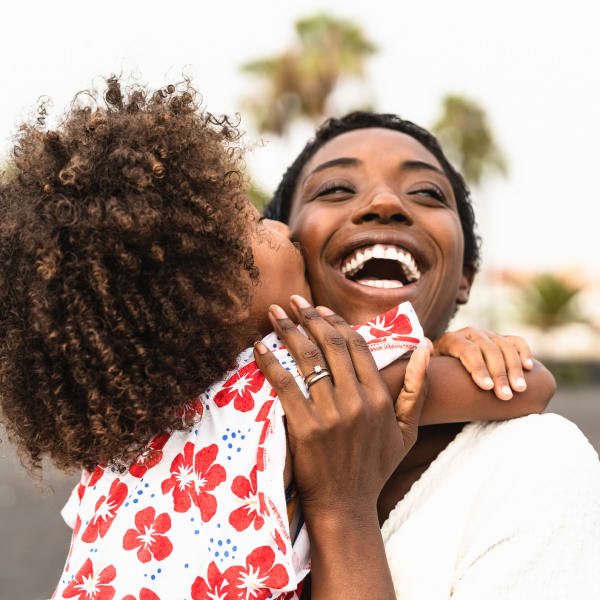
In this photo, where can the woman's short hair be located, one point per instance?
(280, 205)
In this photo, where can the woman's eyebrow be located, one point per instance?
(418, 165)
(336, 162)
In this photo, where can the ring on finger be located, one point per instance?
(315, 378)
(317, 373)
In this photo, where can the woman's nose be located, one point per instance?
(277, 226)
(384, 206)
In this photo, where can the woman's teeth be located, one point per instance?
(380, 283)
(357, 260)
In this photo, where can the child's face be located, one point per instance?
(281, 267)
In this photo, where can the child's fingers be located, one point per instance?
(523, 349)
(295, 405)
(494, 362)
(512, 360)
(409, 403)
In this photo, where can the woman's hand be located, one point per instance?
(494, 361)
(346, 439)
(348, 436)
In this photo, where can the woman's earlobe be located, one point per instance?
(464, 288)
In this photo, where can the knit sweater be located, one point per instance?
(508, 510)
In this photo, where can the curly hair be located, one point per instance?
(125, 260)
(280, 205)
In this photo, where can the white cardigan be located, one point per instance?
(509, 510)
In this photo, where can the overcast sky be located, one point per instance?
(534, 65)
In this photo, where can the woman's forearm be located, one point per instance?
(453, 397)
(348, 558)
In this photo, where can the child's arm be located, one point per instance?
(494, 361)
(453, 397)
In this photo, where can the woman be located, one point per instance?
(500, 510)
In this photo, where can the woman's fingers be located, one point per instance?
(307, 355)
(409, 403)
(282, 381)
(362, 359)
(330, 341)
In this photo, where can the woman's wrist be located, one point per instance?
(348, 557)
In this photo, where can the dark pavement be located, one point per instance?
(34, 540)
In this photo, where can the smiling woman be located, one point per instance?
(382, 217)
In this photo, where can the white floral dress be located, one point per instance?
(202, 514)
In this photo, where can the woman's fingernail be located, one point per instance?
(528, 363)
(521, 383)
(324, 311)
(488, 382)
(277, 311)
(300, 302)
(260, 348)
(506, 391)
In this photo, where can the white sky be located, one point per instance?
(532, 64)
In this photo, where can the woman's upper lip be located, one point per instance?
(369, 238)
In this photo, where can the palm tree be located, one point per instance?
(547, 301)
(467, 137)
(299, 81)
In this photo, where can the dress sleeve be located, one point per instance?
(71, 508)
(543, 538)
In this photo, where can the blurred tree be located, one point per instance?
(547, 301)
(299, 81)
(468, 140)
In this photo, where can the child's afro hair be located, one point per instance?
(125, 261)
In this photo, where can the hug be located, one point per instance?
(149, 338)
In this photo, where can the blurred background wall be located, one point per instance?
(511, 89)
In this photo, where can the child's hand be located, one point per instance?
(494, 361)
(345, 438)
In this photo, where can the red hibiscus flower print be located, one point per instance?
(145, 594)
(151, 457)
(98, 472)
(254, 581)
(241, 388)
(147, 536)
(389, 323)
(192, 477)
(105, 512)
(88, 584)
(212, 588)
(253, 505)
(193, 410)
(392, 323)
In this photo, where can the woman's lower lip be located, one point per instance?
(393, 292)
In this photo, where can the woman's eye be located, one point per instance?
(334, 189)
(431, 192)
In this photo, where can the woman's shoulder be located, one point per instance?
(547, 436)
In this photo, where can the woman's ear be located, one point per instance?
(464, 288)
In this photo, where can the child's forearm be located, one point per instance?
(453, 397)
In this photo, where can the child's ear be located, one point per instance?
(464, 288)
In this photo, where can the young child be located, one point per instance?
(134, 273)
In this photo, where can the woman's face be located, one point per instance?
(377, 221)
(281, 270)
